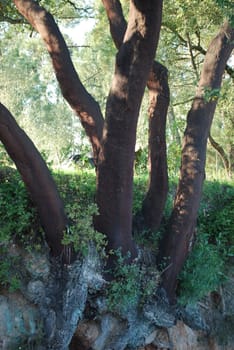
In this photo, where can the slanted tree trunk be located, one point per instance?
(37, 179)
(115, 168)
(72, 89)
(175, 244)
(157, 84)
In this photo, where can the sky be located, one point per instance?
(77, 33)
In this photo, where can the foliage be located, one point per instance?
(76, 186)
(80, 233)
(34, 101)
(17, 224)
(217, 218)
(77, 190)
(16, 210)
(202, 273)
(211, 94)
(206, 266)
(123, 291)
(131, 285)
(139, 190)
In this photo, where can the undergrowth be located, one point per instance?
(206, 267)
(204, 270)
(131, 285)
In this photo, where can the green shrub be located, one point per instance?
(216, 217)
(123, 291)
(206, 266)
(202, 273)
(132, 285)
(81, 233)
(17, 217)
(16, 210)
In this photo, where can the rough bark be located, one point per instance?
(175, 244)
(159, 100)
(115, 169)
(37, 179)
(72, 89)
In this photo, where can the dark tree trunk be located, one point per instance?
(114, 147)
(37, 179)
(156, 196)
(175, 244)
(115, 169)
(159, 99)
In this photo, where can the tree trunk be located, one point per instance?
(38, 181)
(157, 84)
(175, 244)
(154, 202)
(115, 168)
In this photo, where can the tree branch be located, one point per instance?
(72, 89)
(198, 47)
(221, 152)
(192, 56)
(37, 179)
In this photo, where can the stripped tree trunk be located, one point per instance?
(72, 89)
(115, 168)
(154, 202)
(175, 244)
(37, 179)
(157, 85)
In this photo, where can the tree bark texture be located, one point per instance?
(115, 169)
(157, 85)
(72, 89)
(114, 143)
(37, 179)
(154, 202)
(175, 244)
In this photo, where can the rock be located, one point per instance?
(85, 335)
(20, 321)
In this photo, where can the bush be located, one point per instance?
(132, 285)
(202, 273)
(17, 217)
(206, 266)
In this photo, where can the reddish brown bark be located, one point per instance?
(154, 202)
(175, 244)
(157, 84)
(37, 179)
(115, 170)
(72, 89)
